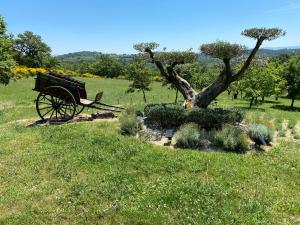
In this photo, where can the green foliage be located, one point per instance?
(291, 74)
(166, 116)
(128, 122)
(223, 50)
(31, 50)
(199, 75)
(177, 57)
(6, 59)
(268, 34)
(231, 138)
(261, 80)
(141, 47)
(139, 73)
(190, 136)
(213, 118)
(259, 132)
(106, 67)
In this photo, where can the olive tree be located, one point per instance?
(166, 62)
(6, 59)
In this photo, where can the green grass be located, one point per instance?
(88, 173)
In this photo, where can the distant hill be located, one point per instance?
(89, 56)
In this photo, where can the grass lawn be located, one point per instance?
(87, 173)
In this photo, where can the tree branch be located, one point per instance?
(249, 59)
(157, 63)
(227, 69)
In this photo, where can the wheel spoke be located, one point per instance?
(46, 103)
(47, 107)
(51, 114)
(47, 112)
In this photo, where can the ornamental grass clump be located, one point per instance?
(189, 136)
(128, 122)
(260, 134)
(231, 138)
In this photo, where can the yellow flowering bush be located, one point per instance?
(25, 72)
(21, 72)
(89, 75)
(156, 78)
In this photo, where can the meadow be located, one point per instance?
(88, 173)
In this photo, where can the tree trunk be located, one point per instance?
(251, 102)
(293, 100)
(144, 94)
(207, 95)
(235, 96)
(263, 98)
(176, 97)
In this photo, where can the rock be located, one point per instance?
(103, 115)
(80, 118)
(205, 144)
(151, 134)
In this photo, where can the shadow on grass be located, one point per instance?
(271, 102)
(250, 109)
(286, 108)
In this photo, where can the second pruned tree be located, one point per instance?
(167, 63)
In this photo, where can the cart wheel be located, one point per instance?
(56, 104)
(79, 109)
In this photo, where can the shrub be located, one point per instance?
(25, 72)
(214, 118)
(260, 134)
(189, 136)
(165, 116)
(128, 122)
(231, 138)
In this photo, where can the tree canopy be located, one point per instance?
(32, 51)
(6, 58)
(291, 73)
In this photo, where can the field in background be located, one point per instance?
(87, 173)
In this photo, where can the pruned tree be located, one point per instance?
(166, 63)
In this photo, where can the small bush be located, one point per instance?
(231, 139)
(260, 133)
(128, 122)
(214, 118)
(165, 116)
(189, 136)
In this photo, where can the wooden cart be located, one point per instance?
(62, 97)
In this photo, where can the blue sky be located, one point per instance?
(113, 26)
